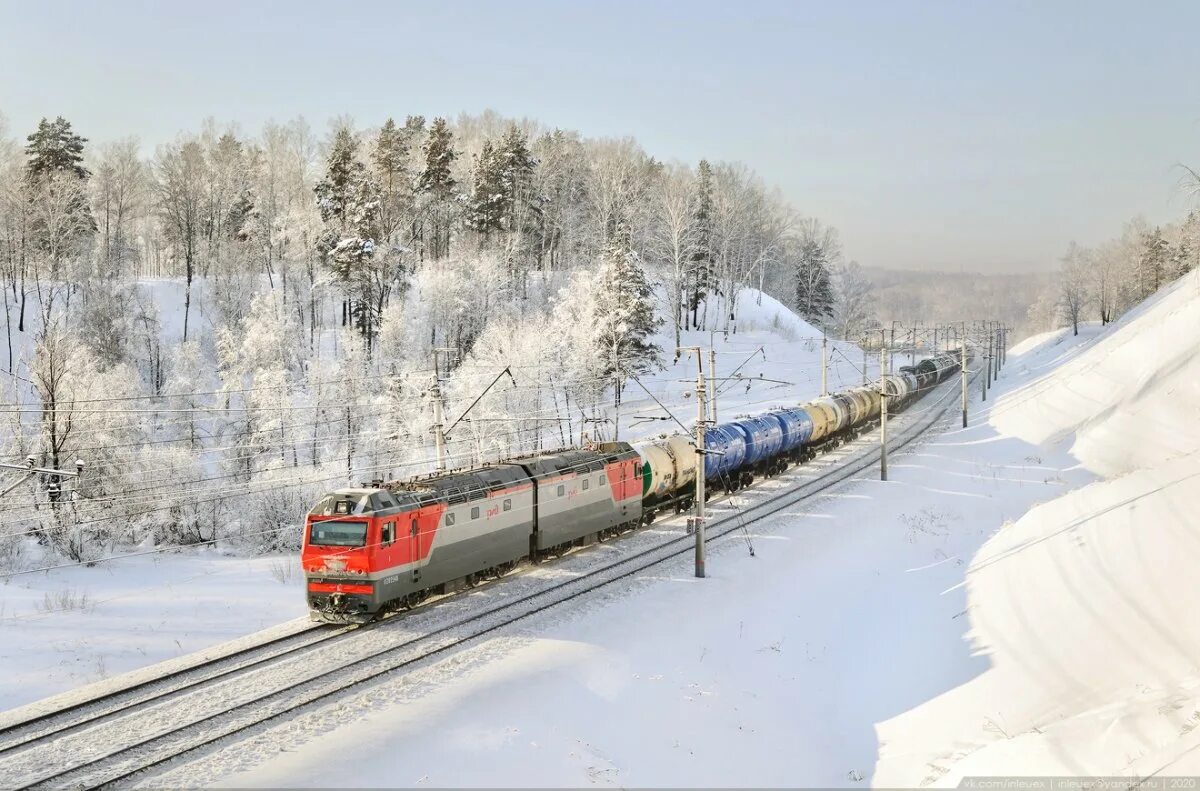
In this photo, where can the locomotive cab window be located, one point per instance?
(475, 512)
(586, 482)
(600, 479)
(389, 534)
(562, 490)
(508, 505)
(337, 534)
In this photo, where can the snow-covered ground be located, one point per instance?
(771, 672)
(997, 607)
(79, 625)
(1016, 599)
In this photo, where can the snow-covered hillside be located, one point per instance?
(996, 607)
(1085, 607)
(78, 624)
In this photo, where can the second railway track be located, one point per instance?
(160, 728)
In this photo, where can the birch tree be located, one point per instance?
(1073, 284)
(182, 196)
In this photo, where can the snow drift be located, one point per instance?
(1086, 605)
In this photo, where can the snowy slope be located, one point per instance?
(1085, 607)
(787, 370)
(77, 625)
(996, 607)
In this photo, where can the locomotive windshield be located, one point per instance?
(337, 534)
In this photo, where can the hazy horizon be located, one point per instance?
(934, 136)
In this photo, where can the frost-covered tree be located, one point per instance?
(1188, 251)
(1073, 284)
(672, 241)
(625, 321)
(119, 192)
(853, 305)
(65, 379)
(502, 208)
(60, 224)
(618, 191)
(438, 187)
(487, 207)
(181, 199)
(814, 287)
(257, 368)
(560, 183)
(700, 267)
(1153, 263)
(188, 378)
(55, 148)
(349, 203)
(394, 165)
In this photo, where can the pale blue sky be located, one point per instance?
(977, 135)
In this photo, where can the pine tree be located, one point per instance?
(517, 165)
(437, 184)
(392, 166)
(814, 290)
(700, 268)
(348, 202)
(624, 315)
(61, 221)
(55, 148)
(1153, 263)
(488, 205)
(1188, 252)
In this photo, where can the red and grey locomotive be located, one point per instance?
(368, 549)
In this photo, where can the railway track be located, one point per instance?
(177, 717)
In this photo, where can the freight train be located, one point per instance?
(374, 548)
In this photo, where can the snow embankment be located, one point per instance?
(1086, 605)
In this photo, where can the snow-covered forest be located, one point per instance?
(1101, 283)
(224, 327)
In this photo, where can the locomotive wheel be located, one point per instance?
(472, 580)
